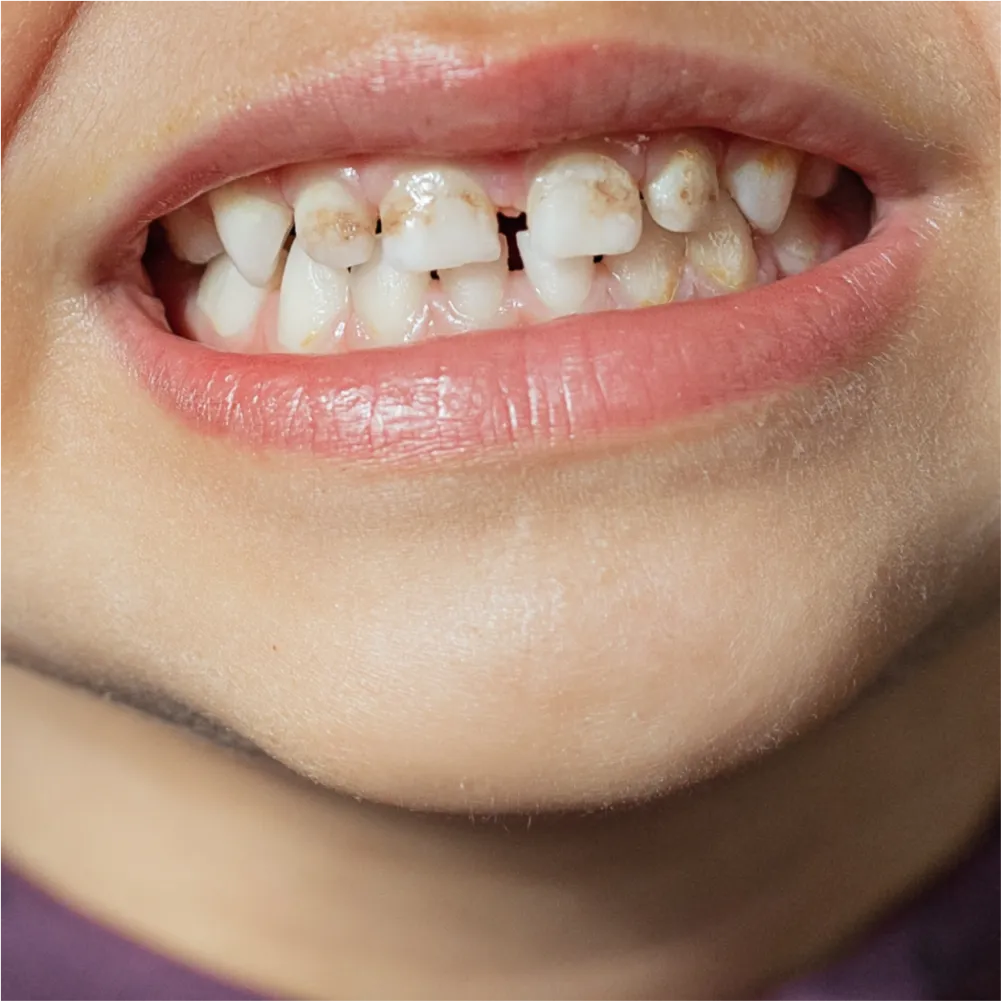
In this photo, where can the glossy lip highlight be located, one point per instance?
(551, 385)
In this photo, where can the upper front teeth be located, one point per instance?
(681, 182)
(253, 220)
(583, 205)
(437, 217)
(332, 218)
(761, 177)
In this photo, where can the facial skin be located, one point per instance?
(590, 629)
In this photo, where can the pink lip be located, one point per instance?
(551, 385)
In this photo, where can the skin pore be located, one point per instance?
(776, 626)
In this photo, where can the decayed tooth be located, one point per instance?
(817, 176)
(803, 240)
(437, 217)
(681, 182)
(253, 220)
(649, 275)
(191, 233)
(722, 252)
(561, 283)
(476, 291)
(313, 299)
(761, 177)
(389, 302)
(583, 204)
(228, 301)
(332, 218)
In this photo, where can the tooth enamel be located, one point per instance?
(760, 176)
(817, 175)
(388, 301)
(797, 243)
(252, 220)
(437, 217)
(561, 283)
(227, 299)
(649, 275)
(476, 291)
(681, 182)
(583, 205)
(313, 299)
(191, 233)
(332, 219)
(722, 252)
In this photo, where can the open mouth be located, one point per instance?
(405, 303)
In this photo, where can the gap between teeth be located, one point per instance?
(679, 216)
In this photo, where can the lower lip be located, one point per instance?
(537, 388)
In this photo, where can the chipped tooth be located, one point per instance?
(561, 283)
(583, 204)
(476, 291)
(228, 301)
(760, 176)
(722, 252)
(313, 299)
(799, 243)
(389, 302)
(191, 233)
(437, 217)
(817, 176)
(332, 218)
(253, 220)
(681, 182)
(649, 274)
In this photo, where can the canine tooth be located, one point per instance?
(817, 175)
(476, 291)
(191, 233)
(561, 283)
(583, 205)
(649, 275)
(722, 252)
(332, 218)
(388, 301)
(253, 220)
(681, 182)
(760, 176)
(313, 298)
(798, 244)
(437, 217)
(227, 299)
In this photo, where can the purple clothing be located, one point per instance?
(944, 945)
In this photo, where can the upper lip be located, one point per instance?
(462, 104)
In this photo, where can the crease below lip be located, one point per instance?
(458, 103)
(537, 388)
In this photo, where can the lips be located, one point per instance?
(554, 385)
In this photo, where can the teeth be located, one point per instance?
(227, 299)
(191, 233)
(334, 222)
(584, 205)
(798, 243)
(722, 253)
(649, 275)
(817, 175)
(681, 182)
(253, 221)
(437, 217)
(761, 178)
(313, 299)
(561, 283)
(476, 291)
(389, 302)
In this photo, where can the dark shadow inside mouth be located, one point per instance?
(510, 226)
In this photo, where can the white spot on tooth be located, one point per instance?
(252, 220)
(583, 205)
(314, 298)
(437, 217)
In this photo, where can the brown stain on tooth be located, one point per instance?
(344, 225)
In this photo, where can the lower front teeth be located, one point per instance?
(721, 254)
(314, 299)
(650, 274)
(228, 301)
(475, 293)
(389, 303)
(563, 284)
